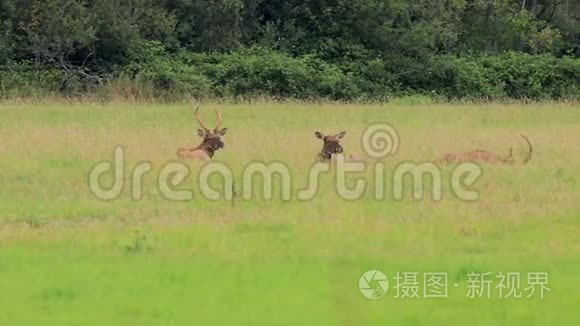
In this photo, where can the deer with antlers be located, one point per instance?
(486, 156)
(212, 140)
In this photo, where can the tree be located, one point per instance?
(208, 25)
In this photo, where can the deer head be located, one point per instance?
(331, 145)
(212, 140)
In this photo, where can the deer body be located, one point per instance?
(476, 156)
(485, 156)
(193, 154)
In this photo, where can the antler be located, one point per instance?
(530, 147)
(198, 118)
(220, 120)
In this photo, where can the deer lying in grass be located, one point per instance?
(331, 145)
(485, 156)
(211, 140)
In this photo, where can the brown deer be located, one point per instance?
(330, 146)
(485, 156)
(212, 140)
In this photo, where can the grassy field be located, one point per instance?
(68, 258)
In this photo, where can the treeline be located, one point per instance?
(306, 49)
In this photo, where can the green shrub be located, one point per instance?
(169, 78)
(373, 79)
(511, 75)
(257, 71)
(536, 77)
(28, 80)
(154, 73)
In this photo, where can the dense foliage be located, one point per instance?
(337, 49)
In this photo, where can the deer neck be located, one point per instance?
(510, 157)
(324, 155)
(207, 149)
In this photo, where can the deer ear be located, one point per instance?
(319, 135)
(223, 131)
(341, 134)
(200, 133)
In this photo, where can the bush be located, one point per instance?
(535, 77)
(28, 80)
(167, 77)
(154, 73)
(511, 75)
(256, 71)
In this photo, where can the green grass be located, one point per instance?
(67, 258)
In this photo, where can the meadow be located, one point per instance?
(68, 258)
